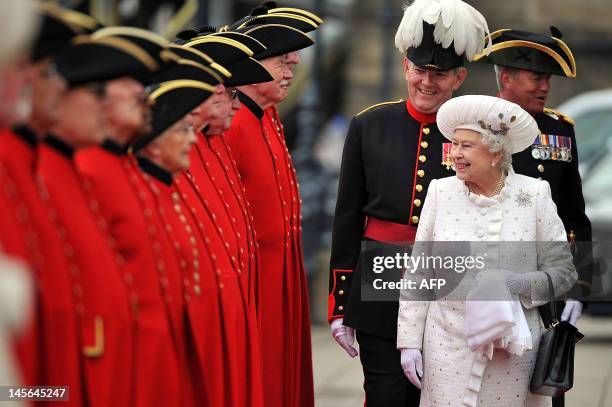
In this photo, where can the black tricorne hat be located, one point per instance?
(56, 31)
(103, 59)
(171, 101)
(278, 39)
(233, 55)
(194, 55)
(531, 51)
(149, 41)
(269, 13)
(190, 70)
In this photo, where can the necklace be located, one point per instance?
(498, 187)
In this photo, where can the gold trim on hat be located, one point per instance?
(168, 86)
(262, 26)
(308, 14)
(80, 19)
(222, 34)
(565, 48)
(221, 69)
(567, 70)
(519, 43)
(123, 45)
(222, 40)
(197, 52)
(283, 15)
(168, 55)
(77, 22)
(133, 32)
(214, 74)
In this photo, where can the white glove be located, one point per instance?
(571, 311)
(344, 335)
(518, 283)
(412, 364)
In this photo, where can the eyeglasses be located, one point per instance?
(232, 93)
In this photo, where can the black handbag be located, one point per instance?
(553, 374)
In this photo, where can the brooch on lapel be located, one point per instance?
(523, 198)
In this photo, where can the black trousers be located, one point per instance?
(385, 383)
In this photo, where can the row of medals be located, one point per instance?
(540, 152)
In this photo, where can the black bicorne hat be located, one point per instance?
(531, 51)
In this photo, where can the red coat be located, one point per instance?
(205, 344)
(102, 307)
(214, 194)
(214, 177)
(223, 324)
(136, 233)
(56, 358)
(258, 146)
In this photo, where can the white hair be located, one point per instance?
(497, 143)
(498, 71)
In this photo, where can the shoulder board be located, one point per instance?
(559, 116)
(378, 105)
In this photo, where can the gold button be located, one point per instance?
(424, 144)
(417, 202)
(419, 187)
(541, 168)
(414, 219)
(340, 308)
(343, 278)
(425, 130)
(421, 173)
(422, 158)
(341, 292)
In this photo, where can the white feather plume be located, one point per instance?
(456, 22)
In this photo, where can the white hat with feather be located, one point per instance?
(441, 34)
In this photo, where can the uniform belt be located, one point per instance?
(384, 231)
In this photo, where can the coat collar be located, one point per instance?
(251, 105)
(113, 147)
(59, 146)
(154, 170)
(27, 135)
(418, 116)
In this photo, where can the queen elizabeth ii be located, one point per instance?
(485, 202)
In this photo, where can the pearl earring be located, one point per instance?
(493, 164)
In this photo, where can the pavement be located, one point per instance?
(338, 379)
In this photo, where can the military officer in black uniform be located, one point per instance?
(524, 63)
(391, 153)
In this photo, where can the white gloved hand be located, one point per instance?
(518, 283)
(412, 364)
(572, 311)
(344, 335)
